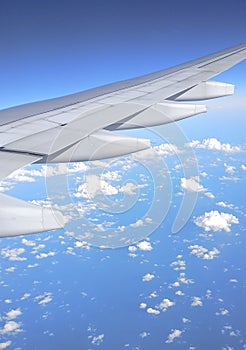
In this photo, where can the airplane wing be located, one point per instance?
(81, 126)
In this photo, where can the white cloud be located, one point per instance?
(214, 145)
(229, 178)
(44, 299)
(178, 265)
(129, 188)
(196, 301)
(216, 221)
(192, 184)
(209, 195)
(185, 320)
(222, 312)
(93, 186)
(12, 314)
(167, 149)
(132, 248)
(152, 311)
(148, 277)
(176, 333)
(27, 242)
(203, 253)
(142, 305)
(138, 223)
(229, 169)
(143, 334)
(77, 167)
(144, 245)
(25, 296)
(11, 327)
(82, 244)
(224, 205)
(111, 176)
(165, 304)
(45, 255)
(204, 174)
(243, 167)
(5, 344)
(13, 254)
(153, 295)
(182, 279)
(179, 293)
(97, 340)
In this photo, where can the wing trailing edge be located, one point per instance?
(18, 217)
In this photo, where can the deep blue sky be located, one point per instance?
(52, 48)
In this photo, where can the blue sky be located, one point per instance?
(53, 48)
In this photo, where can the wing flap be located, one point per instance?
(12, 161)
(18, 217)
(100, 145)
(62, 137)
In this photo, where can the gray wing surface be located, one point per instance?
(81, 126)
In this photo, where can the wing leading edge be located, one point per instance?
(80, 127)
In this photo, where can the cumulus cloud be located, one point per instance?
(209, 195)
(152, 311)
(243, 167)
(224, 205)
(229, 178)
(82, 244)
(142, 305)
(44, 299)
(178, 265)
(97, 340)
(222, 312)
(229, 169)
(183, 280)
(5, 345)
(145, 246)
(138, 223)
(192, 184)
(214, 145)
(129, 188)
(216, 221)
(175, 333)
(143, 335)
(25, 296)
(12, 314)
(165, 304)
(132, 248)
(111, 176)
(45, 255)
(203, 253)
(93, 186)
(27, 242)
(167, 149)
(179, 293)
(233, 280)
(141, 223)
(77, 167)
(11, 327)
(153, 295)
(148, 277)
(13, 254)
(196, 301)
